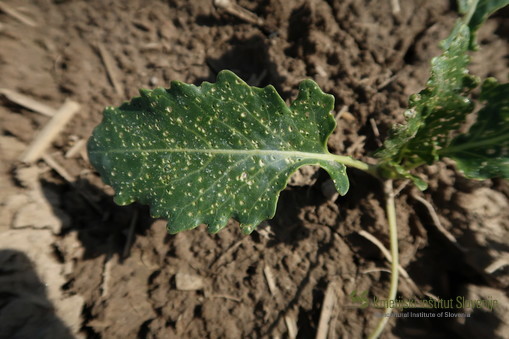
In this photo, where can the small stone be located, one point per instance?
(188, 282)
(153, 81)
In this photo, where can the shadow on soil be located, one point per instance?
(102, 226)
(25, 310)
(250, 60)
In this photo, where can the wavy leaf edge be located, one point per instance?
(310, 100)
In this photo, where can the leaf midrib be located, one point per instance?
(326, 156)
(475, 145)
(251, 152)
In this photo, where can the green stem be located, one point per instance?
(390, 209)
(360, 165)
(471, 12)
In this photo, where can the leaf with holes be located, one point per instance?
(440, 109)
(434, 113)
(483, 152)
(205, 154)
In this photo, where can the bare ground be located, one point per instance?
(74, 264)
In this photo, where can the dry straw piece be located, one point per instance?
(50, 131)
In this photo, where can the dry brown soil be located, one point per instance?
(72, 263)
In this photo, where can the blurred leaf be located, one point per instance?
(434, 112)
(483, 152)
(440, 109)
(205, 154)
(483, 9)
(464, 5)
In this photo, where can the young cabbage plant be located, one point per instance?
(205, 154)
